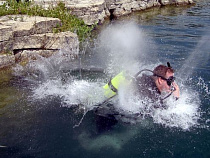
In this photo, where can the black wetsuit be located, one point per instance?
(148, 91)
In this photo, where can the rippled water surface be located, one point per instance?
(46, 107)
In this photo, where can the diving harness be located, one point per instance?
(111, 88)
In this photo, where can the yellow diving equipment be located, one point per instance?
(113, 85)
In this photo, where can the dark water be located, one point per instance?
(31, 127)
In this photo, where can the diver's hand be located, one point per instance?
(176, 93)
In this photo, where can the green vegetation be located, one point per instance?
(69, 22)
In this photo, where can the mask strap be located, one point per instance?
(169, 65)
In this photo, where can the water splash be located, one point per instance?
(43, 69)
(75, 93)
(184, 113)
(203, 88)
(125, 45)
(127, 48)
(198, 58)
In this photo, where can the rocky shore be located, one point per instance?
(94, 11)
(23, 37)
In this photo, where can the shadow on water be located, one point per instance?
(105, 124)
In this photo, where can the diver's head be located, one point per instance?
(164, 77)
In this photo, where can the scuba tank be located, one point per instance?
(123, 78)
(111, 88)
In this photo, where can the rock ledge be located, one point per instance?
(22, 34)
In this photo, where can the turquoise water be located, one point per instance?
(46, 100)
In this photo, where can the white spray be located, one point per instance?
(127, 48)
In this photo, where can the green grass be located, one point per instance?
(69, 22)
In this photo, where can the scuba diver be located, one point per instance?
(151, 89)
(160, 83)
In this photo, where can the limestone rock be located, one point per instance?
(6, 60)
(5, 32)
(45, 45)
(6, 46)
(2, 2)
(94, 11)
(23, 25)
(25, 36)
(91, 11)
(46, 41)
(25, 55)
(166, 2)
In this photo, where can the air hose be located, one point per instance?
(111, 88)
